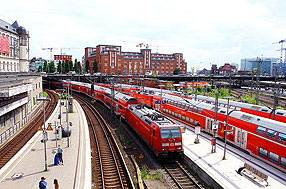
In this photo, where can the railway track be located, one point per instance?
(110, 170)
(180, 176)
(9, 149)
(264, 99)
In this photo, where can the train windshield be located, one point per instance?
(171, 133)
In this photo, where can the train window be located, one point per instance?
(195, 109)
(271, 133)
(221, 105)
(183, 105)
(120, 107)
(222, 112)
(154, 133)
(281, 137)
(191, 121)
(279, 113)
(283, 162)
(175, 103)
(261, 130)
(179, 116)
(187, 119)
(164, 110)
(190, 107)
(184, 118)
(179, 104)
(274, 157)
(173, 113)
(200, 110)
(263, 152)
(264, 110)
(176, 114)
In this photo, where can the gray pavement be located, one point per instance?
(27, 167)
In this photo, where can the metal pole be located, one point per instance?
(61, 109)
(56, 134)
(225, 135)
(45, 138)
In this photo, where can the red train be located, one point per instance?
(160, 133)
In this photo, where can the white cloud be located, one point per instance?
(205, 31)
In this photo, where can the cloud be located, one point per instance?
(205, 31)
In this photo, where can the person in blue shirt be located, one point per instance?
(60, 154)
(43, 184)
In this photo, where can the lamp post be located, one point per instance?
(44, 130)
(225, 135)
(60, 90)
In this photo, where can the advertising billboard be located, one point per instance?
(4, 45)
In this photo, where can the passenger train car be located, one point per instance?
(160, 133)
(280, 115)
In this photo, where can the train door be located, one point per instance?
(241, 138)
(208, 125)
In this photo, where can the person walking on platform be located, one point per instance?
(60, 154)
(56, 184)
(43, 184)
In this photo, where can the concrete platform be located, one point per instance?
(26, 168)
(222, 171)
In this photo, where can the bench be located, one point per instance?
(254, 174)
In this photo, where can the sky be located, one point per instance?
(205, 31)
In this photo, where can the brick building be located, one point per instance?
(111, 60)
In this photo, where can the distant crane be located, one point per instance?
(281, 56)
(56, 48)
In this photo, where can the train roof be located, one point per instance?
(261, 121)
(241, 105)
(222, 101)
(149, 116)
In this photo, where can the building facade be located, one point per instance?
(14, 48)
(227, 69)
(112, 60)
(268, 66)
(18, 97)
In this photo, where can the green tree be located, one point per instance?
(80, 68)
(40, 69)
(177, 71)
(45, 67)
(70, 66)
(86, 68)
(76, 66)
(95, 68)
(59, 69)
(52, 67)
(66, 67)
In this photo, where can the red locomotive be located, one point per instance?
(163, 135)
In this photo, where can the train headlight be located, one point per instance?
(165, 144)
(178, 143)
(179, 148)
